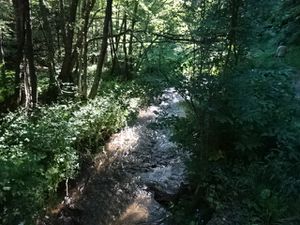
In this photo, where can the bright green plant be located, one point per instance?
(41, 149)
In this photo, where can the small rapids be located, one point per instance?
(139, 170)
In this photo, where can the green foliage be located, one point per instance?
(6, 13)
(293, 57)
(244, 138)
(6, 84)
(243, 125)
(36, 154)
(261, 107)
(95, 122)
(243, 122)
(41, 149)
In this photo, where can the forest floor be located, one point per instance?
(139, 171)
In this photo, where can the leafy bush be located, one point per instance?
(36, 154)
(6, 84)
(41, 149)
(245, 129)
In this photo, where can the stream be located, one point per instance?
(139, 171)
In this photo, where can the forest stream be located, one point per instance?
(141, 112)
(139, 170)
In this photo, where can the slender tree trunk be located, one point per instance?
(82, 79)
(232, 35)
(29, 55)
(130, 47)
(103, 51)
(68, 35)
(57, 33)
(125, 48)
(80, 62)
(20, 33)
(115, 60)
(44, 14)
(25, 70)
(112, 45)
(2, 59)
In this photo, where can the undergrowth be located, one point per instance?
(41, 149)
(243, 130)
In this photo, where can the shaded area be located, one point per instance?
(139, 164)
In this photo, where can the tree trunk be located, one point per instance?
(57, 33)
(130, 47)
(25, 75)
(83, 77)
(20, 33)
(126, 69)
(44, 14)
(232, 35)
(88, 5)
(29, 55)
(98, 75)
(2, 60)
(116, 43)
(67, 27)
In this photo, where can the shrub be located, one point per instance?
(245, 129)
(36, 154)
(41, 149)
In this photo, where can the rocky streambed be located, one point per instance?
(139, 171)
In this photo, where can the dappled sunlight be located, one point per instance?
(137, 211)
(123, 142)
(148, 112)
(171, 101)
(138, 166)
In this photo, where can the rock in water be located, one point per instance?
(143, 210)
(165, 182)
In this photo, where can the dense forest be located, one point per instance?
(75, 72)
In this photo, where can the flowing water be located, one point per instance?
(139, 168)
